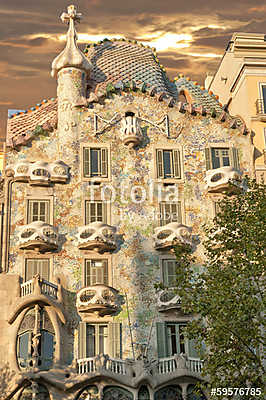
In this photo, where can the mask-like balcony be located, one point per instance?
(39, 173)
(98, 299)
(38, 236)
(98, 237)
(224, 179)
(167, 236)
(167, 300)
(131, 131)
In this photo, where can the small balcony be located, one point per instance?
(38, 236)
(98, 299)
(167, 236)
(224, 179)
(167, 300)
(38, 286)
(98, 237)
(261, 109)
(131, 131)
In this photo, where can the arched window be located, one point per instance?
(116, 392)
(143, 393)
(172, 392)
(89, 393)
(193, 393)
(40, 391)
(35, 340)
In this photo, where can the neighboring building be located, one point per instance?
(240, 82)
(99, 184)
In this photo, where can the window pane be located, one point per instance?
(103, 336)
(167, 163)
(24, 341)
(95, 162)
(263, 88)
(90, 338)
(220, 157)
(96, 272)
(38, 210)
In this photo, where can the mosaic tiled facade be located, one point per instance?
(99, 184)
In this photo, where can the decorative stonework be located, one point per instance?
(219, 179)
(39, 173)
(131, 131)
(38, 236)
(98, 299)
(166, 236)
(167, 299)
(98, 237)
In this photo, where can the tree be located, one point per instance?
(228, 295)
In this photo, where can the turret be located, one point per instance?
(72, 69)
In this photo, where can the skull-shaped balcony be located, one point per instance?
(98, 237)
(167, 236)
(130, 130)
(38, 236)
(98, 299)
(39, 173)
(224, 179)
(167, 300)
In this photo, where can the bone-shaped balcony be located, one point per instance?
(99, 299)
(224, 179)
(39, 173)
(167, 299)
(167, 236)
(38, 236)
(131, 131)
(98, 237)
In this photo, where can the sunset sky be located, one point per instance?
(190, 37)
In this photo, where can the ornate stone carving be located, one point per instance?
(38, 235)
(218, 179)
(39, 173)
(131, 131)
(99, 299)
(166, 236)
(97, 236)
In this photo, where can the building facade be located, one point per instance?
(99, 184)
(240, 82)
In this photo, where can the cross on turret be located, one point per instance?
(71, 14)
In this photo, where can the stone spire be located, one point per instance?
(71, 56)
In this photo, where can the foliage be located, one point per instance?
(228, 296)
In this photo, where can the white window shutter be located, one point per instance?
(82, 340)
(86, 162)
(114, 339)
(234, 158)
(104, 162)
(176, 164)
(159, 163)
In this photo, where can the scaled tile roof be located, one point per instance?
(117, 66)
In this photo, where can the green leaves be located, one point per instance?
(229, 294)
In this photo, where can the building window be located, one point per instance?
(217, 157)
(168, 164)
(170, 212)
(96, 272)
(217, 207)
(171, 340)
(95, 211)
(169, 272)
(95, 162)
(38, 210)
(34, 266)
(35, 349)
(97, 339)
(263, 98)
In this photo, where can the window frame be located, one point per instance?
(234, 159)
(30, 201)
(168, 180)
(163, 260)
(105, 271)
(37, 258)
(94, 257)
(100, 146)
(105, 208)
(261, 84)
(179, 207)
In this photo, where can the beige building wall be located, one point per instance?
(238, 81)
